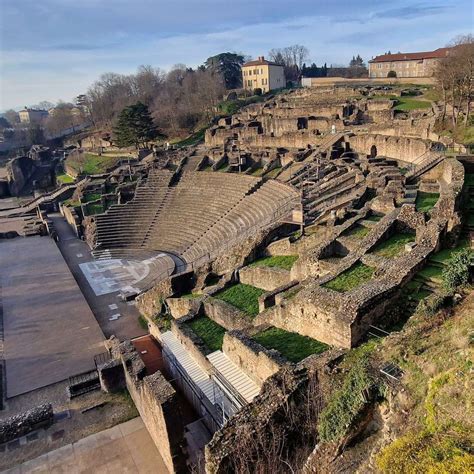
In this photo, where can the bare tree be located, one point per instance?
(454, 76)
(292, 58)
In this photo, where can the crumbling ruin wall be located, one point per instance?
(252, 358)
(193, 343)
(180, 307)
(267, 278)
(312, 312)
(157, 403)
(19, 425)
(226, 315)
(400, 148)
(19, 171)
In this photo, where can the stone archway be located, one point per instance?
(373, 151)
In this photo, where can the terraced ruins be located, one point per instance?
(282, 240)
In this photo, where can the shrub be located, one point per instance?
(257, 91)
(426, 452)
(434, 303)
(456, 270)
(345, 405)
(392, 74)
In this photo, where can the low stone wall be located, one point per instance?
(19, 425)
(252, 358)
(150, 302)
(266, 278)
(157, 402)
(72, 219)
(226, 315)
(180, 307)
(191, 341)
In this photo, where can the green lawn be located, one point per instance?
(279, 261)
(443, 255)
(272, 173)
(351, 278)
(431, 272)
(209, 331)
(290, 345)
(190, 296)
(243, 297)
(426, 201)
(373, 218)
(94, 209)
(89, 197)
(64, 178)
(193, 139)
(394, 245)
(88, 163)
(358, 231)
(405, 104)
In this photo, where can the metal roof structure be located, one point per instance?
(198, 375)
(231, 374)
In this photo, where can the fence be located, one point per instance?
(213, 415)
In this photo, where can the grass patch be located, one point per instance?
(193, 139)
(290, 345)
(404, 104)
(91, 197)
(209, 331)
(72, 203)
(393, 246)
(64, 178)
(278, 261)
(190, 296)
(444, 255)
(143, 322)
(373, 218)
(431, 272)
(358, 231)
(426, 201)
(88, 163)
(94, 209)
(273, 173)
(243, 297)
(351, 278)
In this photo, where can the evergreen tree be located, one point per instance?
(228, 65)
(135, 126)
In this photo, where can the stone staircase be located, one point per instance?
(424, 163)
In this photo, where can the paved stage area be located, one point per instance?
(49, 330)
(124, 448)
(111, 275)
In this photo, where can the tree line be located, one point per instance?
(454, 77)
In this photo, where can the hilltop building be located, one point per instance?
(263, 74)
(32, 115)
(407, 64)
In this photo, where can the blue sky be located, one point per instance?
(54, 49)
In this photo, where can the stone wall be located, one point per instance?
(19, 425)
(150, 302)
(19, 171)
(252, 358)
(399, 148)
(74, 221)
(157, 403)
(267, 278)
(180, 307)
(226, 315)
(193, 343)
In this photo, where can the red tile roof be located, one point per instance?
(261, 61)
(437, 53)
